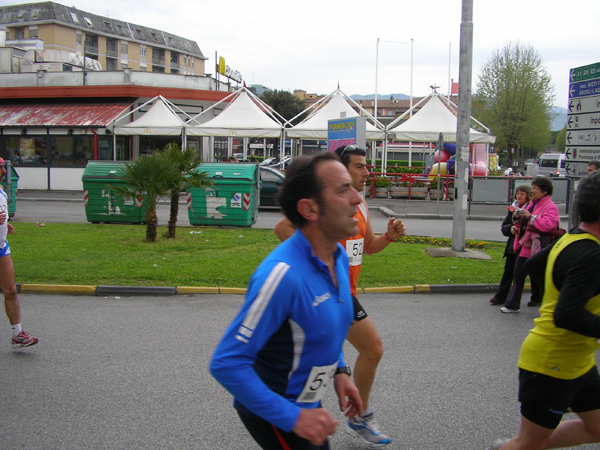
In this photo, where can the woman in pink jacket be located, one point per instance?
(542, 219)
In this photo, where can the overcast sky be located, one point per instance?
(314, 45)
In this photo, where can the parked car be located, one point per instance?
(270, 182)
(281, 165)
(268, 161)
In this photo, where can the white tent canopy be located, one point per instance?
(431, 120)
(242, 117)
(334, 106)
(160, 120)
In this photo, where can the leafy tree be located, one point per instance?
(185, 163)
(561, 140)
(150, 177)
(514, 98)
(285, 103)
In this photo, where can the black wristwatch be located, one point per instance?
(345, 370)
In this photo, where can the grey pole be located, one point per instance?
(459, 222)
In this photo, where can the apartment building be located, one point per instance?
(67, 75)
(60, 37)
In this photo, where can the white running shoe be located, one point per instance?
(368, 430)
(498, 443)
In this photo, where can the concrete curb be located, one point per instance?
(130, 291)
(391, 213)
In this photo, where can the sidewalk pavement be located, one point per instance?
(402, 208)
(419, 209)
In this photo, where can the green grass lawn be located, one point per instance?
(205, 256)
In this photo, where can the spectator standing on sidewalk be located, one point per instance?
(592, 166)
(7, 274)
(362, 334)
(513, 227)
(542, 218)
(557, 366)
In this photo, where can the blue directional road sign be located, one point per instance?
(583, 120)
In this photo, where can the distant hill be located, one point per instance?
(379, 96)
(560, 119)
(558, 122)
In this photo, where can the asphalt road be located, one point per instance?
(131, 373)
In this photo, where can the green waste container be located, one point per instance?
(9, 184)
(103, 204)
(232, 199)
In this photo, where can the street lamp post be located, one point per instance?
(384, 150)
(83, 65)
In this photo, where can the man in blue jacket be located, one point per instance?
(285, 344)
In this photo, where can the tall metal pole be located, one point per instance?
(84, 46)
(374, 149)
(459, 222)
(411, 76)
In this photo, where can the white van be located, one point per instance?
(552, 165)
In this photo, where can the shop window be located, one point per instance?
(72, 150)
(26, 151)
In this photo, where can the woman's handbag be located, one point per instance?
(542, 239)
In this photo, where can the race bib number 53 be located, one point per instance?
(317, 383)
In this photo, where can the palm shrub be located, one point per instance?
(149, 177)
(186, 163)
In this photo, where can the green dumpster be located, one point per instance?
(231, 200)
(9, 184)
(103, 204)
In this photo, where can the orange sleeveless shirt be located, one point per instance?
(354, 246)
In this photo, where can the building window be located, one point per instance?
(108, 27)
(71, 150)
(88, 22)
(27, 151)
(143, 52)
(19, 33)
(74, 17)
(140, 33)
(33, 32)
(78, 37)
(111, 64)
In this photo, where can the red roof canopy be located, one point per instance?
(61, 114)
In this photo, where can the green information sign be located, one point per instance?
(585, 72)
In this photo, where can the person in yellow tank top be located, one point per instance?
(557, 366)
(362, 334)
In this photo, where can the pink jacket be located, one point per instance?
(544, 217)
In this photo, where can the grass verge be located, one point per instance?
(205, 256)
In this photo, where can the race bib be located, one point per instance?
(317, 383)
(354, 250)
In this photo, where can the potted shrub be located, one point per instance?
(437, 191)
(419, 191)
(368, 188)
(382, 186)
(400, 190)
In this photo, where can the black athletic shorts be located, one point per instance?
(545, 399)
(269, 437)
(359, 311)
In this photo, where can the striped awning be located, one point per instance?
(89, 114)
